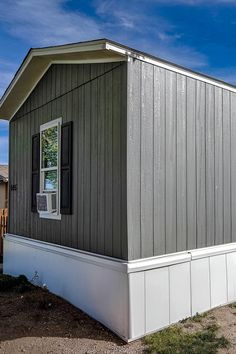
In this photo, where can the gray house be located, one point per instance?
(122, 193)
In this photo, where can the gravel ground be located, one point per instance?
(38, 322)
(31, 324)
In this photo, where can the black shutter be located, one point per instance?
(66, 168)
(35, 171)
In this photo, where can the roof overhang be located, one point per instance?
(38, 60)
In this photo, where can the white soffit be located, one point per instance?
(37, 63)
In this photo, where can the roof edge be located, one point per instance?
(117, 48)
(149, 58)
(98, 44)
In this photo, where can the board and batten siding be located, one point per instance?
(93, 96)
(181, 170)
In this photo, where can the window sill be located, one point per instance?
(50, 216)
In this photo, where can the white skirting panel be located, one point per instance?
(176, 291)
(97, 285)
(131, 298)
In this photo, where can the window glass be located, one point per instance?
(49, 161)
(50, 180)
(49, 141)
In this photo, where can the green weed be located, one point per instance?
(199, 317)
(174, 340)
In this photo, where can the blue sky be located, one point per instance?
(199, 34)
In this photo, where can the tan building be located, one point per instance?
(3, 186)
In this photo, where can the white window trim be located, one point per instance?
(53, 123)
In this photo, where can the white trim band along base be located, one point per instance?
(131, 298)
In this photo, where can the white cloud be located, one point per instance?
(42, 23)
(46, 22)
(153, 34)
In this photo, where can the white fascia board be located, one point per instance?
(189, 74)
(116, 49)
(73, 48)
(169, 66)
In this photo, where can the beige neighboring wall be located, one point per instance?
(3, 195)
(3, 186)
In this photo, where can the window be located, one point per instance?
(50, 163)
(52, 169)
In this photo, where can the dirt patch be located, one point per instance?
(38, 322)
(208, 333)
(225, 319)
(34, 321)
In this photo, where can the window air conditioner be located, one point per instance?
(46, 203)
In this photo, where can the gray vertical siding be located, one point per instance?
(98, 110)
(159, 153)
(154, 160)
(181, 143)
(171, 156)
